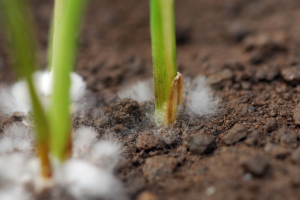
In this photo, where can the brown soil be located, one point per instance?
(248, 49)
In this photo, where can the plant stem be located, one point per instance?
(42, 128)
(19, 32)
(66, 28)
(163, 51)
(58, 7)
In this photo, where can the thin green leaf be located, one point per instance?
(19, 33)
(163, 50)
(58, 7)
(66, 30)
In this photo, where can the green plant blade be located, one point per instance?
(17, 21)
(58, 7)
(50, 44)
(66, 29)
(163, 50)
(21, 43)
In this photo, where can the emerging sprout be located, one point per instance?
(174, 100)
(18, 27)
(67, 18)
(168, 83)
(53, 130)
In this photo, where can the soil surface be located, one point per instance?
(250, 52)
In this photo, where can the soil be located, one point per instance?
(249, 51)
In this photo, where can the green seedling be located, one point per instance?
(55, 19)
(168, 83)
(52, 128)
(19, 33)
(68, 14)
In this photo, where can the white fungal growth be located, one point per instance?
(15, 193)
(83, 179)
(16, 167)
(83, 138)
(141, 92)
(200, 98)
(16, 137)
(44, 83)
(105, 154)
(78, 87)
(89, 175)
(17, 97)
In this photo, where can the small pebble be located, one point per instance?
(235, 134)
(247, 177)
(291, 74)
(210, 191)
(256, 165)
(201, 144)
(148, 141)
(156, 167)
(271, 124)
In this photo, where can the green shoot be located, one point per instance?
(55, 19)
(164, 56)
(50, 44)
(18, 29)
(68, 14)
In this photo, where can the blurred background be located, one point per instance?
(115, 46)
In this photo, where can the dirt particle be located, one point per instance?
(254, 139)
(18, 116)
(126, 112)
(148, 141)
(287, 96)
(256, 58)
(218, 78)
(256, 165)
(288, 138)
(266, 43)
(237, 32)
(146, 195)
(102, 122)
(277, 151)
(235, 134)
(296, 115)
(157, 167)
(246, 85)
(273, 113)
(201, 144)
(291, 74)
(267, 73)
(168, 136)
(250, 109)
(270, 124)
(135, 184)
(119, 128)
(295, 177)
(216, 131)
(296, 156)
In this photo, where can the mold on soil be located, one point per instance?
(249, 52)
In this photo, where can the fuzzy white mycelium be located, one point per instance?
(82, 175)
(83, 139)
(16, 137)
(17, 97)
(141, 91)
(200, 99)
